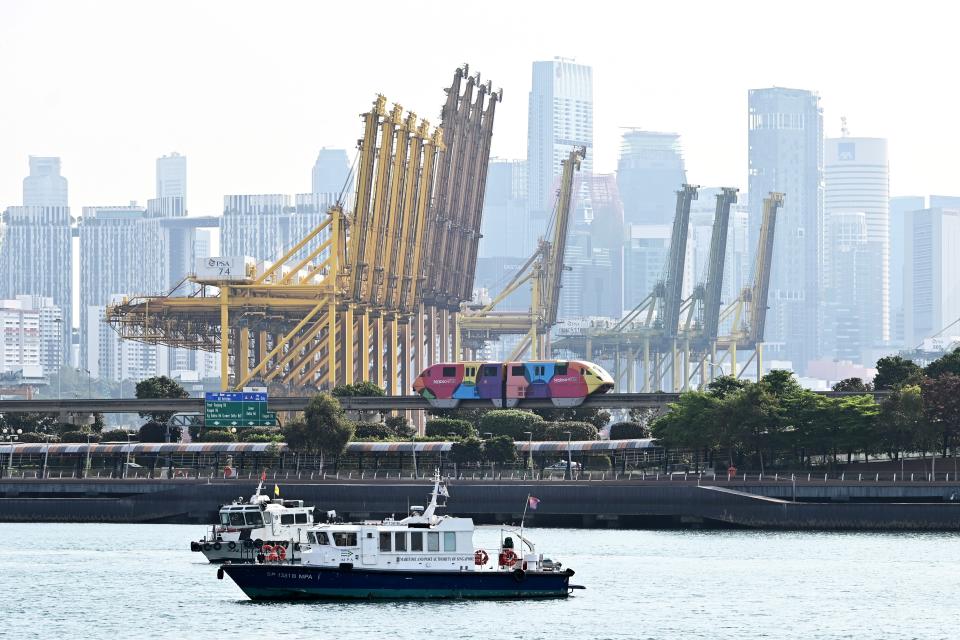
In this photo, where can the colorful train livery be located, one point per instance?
(565, 382)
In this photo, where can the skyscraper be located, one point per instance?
(857, 180)
(44, 187)
(899, 207)
(786, 155)
(35, 258)
(330, 171)
(254, 225)
(172, 177)
(504, 228)
(931, 264)
(560, 118)
(851, 288)
(649, 173)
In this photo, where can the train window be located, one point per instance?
(449, 372)
(561, 369)
(583, 371)
(471, 371)
(517, 370)
(538, 371)
(489, 370)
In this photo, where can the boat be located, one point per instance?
(247, 525)
(424, 555)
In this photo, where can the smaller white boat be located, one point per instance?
(247, 526)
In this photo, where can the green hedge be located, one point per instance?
(442, 427)
(513, 423)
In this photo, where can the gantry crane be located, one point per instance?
(544, 271)
(373, 299)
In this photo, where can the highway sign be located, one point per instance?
(237, 409)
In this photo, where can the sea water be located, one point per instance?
(142, 581)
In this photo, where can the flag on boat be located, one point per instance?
(443, 491)
(276, 490)
(533, 502)
(263, 476)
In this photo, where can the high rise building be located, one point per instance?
(35, 259)
(649, 173)
(20, 347)
(899, 207)
(116, 257)
(110, 358)
(331, 171)
(44, 187)
(172, 177)
(644, 259)
(560, 118)
(52, 328)
(857, 179)
(931, 264)
(254, 225)
(505, 229)
(786, 155)
(851, 288)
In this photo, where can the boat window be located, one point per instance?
(384, 541)
(345, 538)
(236, 518)
(433, 541)
(449, 372)
(311, 537)
(267, 517)
(254, 517)
(300, 518)
(416, 541)
(489, 370)
(224, 518)
(400, 541)
(449, 541)
(517, 370)
(322, 538)
(286, 518)
(561, 370)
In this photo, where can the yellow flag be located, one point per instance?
(276, 490)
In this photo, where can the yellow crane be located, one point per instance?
(373, 299)
(544, 271)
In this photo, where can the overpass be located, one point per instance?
(355, 403)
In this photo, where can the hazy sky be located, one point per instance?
(250, 91)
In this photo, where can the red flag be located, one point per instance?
(263, 476)
(533, 502)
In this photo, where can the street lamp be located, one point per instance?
(529, 450)
(89, 381)
(10, 436)
(717, 366)
(86, 468)
(569, 458)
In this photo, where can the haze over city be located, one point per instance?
(250, 92)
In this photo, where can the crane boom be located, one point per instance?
(718, 252)
(761, 273)
(673, 291)
(553, 261)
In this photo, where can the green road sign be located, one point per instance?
(238, 409)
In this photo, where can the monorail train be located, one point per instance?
(565, 383)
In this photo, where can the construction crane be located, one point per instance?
(544, 271)
(372, 299)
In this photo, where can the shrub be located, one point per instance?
(80, 436)
(259, 434)
(217, 436)
(578, 431)
(442, 427)
(400, 426)
(115, 435)
(357, 389)
(512, 423)
(31, 437)
(260, 437)
(154, 431)
(499, 449)
(373, 431)
(597, 463)
(467, 450)
(627, 431)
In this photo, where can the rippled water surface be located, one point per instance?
(110, 581)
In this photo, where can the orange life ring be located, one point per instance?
(480, 557)
(281, 552)
(508, 558)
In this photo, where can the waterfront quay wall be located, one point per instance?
(623, 504)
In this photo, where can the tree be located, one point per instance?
(154, 431)
(500, 450)
(80, 436)
(895, 371)
(689, 422)
(947, 363)
(724, 386)
(781, 384)
(160, 387)
(852, 384)
(901, 418)
(121, 435)
(324, 428)
(941, 402)
(628, 431)
(466, 450)
(365, 388)
(513, 423)
(444, 427)
(29, 422)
